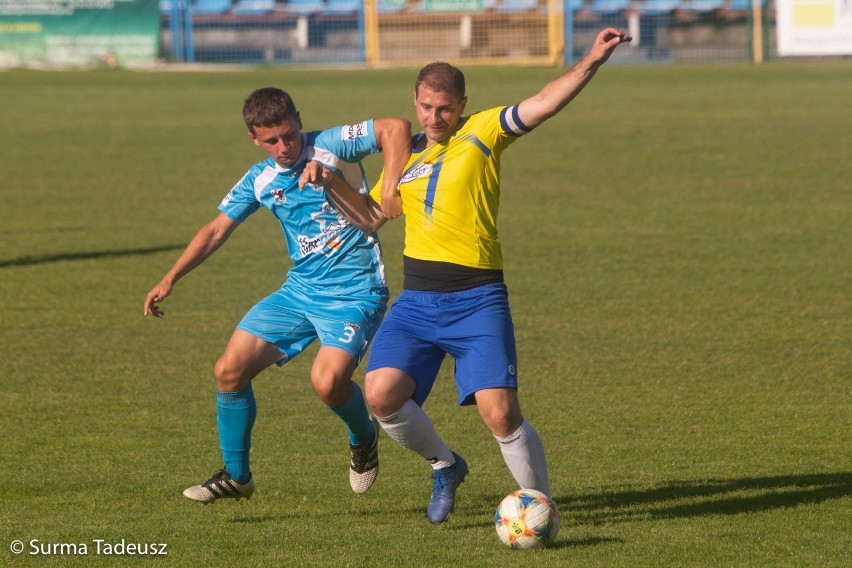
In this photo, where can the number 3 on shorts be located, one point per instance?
(348, 334)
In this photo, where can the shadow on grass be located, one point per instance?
(45, 259)
(671, 500)
(692, 498)
(582, 542)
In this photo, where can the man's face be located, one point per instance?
(282, 143)
(438, 113)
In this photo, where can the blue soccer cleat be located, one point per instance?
(445, 481)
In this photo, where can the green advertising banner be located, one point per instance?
(454, 5)
(79, 32)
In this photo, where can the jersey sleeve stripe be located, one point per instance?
(325, 156)
(511, 122)
(479, 144)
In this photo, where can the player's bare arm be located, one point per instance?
(205, 242)
(562, 90)
(359, 209)
(394, 138)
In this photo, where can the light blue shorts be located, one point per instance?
(473, 326)
(292, 319)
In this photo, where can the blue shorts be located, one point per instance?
(292, 319)
(473, 326)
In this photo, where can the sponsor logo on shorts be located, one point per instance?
(512, 370)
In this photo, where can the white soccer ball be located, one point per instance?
(527, 519)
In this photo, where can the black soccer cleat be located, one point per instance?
(220, 486)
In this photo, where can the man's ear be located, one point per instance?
(253, 137)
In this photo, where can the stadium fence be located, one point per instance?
(506, 32)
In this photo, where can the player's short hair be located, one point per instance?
(267, 107)
(442, 78)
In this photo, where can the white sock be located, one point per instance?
(412, 428)
(524, 454)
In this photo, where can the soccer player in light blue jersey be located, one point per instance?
(335, 290)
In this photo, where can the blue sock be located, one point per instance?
(354, 413)
(237, 411)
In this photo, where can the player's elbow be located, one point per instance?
(370, 226)
(393, 130)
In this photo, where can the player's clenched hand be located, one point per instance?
(315, 174)
(157, 294)
(391, 203)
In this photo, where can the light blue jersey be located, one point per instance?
(330, 256)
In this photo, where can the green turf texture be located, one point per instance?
(678, 247)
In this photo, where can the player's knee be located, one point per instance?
(385, 394)
(503, 425)
(228, 377)
(332, 388)
(501, 414)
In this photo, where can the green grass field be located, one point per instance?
(678, 248)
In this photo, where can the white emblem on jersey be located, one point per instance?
(353, 131)
(328, 240)
(319, 216)
(423, 170)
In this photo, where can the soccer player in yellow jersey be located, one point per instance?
(454, 300)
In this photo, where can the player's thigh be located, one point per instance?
(245, 356)
(405, 347)
(478, 332)
(281, 320)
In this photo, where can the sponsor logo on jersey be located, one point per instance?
(321, 243)
(353, 325)
(353, 131)
(308, 245)
(420, 171)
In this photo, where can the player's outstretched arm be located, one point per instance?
(394, 138)
(209, 238)
(562, 90)
(359, 209)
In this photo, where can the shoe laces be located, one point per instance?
(442, 478)
(221, 475)
(362, 454)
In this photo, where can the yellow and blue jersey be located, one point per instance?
(451, 192)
